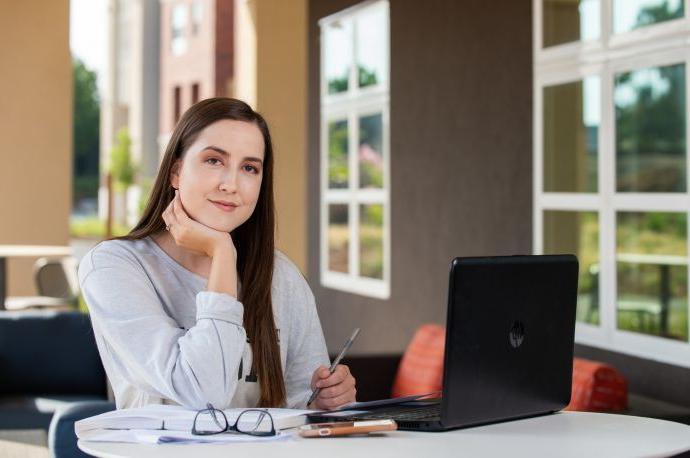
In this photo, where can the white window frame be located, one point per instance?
(652, 46)
(350, 106)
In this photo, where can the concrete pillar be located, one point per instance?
(271, 75)
(35, 131)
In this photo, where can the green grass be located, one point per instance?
(646, 322)
(641, 320)
(81, 304)
(93, 228)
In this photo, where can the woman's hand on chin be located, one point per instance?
(192, 235)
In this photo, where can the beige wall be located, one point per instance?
(461, 158)
(35, 130)
(274, 79)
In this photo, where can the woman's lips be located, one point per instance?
(224, 207)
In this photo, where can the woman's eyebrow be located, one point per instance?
(225, 153)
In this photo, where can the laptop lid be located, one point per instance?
(509, 339)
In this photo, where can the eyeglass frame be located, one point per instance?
(229, 427)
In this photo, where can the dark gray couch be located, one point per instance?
(50, 371)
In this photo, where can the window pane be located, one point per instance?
(197, 16)
(572, 116)
(569, 232)
(570, 20)
(650, 130)
(371, 151)
(178, 40)
(652, 274)
(337, 154)
(631, 14)
(338, 56)
(338, 238)
(372, 47)
(371, 241)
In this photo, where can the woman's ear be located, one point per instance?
(175, 174)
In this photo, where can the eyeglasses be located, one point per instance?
(255, 422)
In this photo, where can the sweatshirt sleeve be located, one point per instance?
(307, 350)
(189, 367)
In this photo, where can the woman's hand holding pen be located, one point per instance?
(336, 389)
(192, 235)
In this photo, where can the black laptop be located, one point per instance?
(509, 345)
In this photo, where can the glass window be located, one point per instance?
(338, 238)
(570, 232)
(652, 273)
(566, 21)
(650, 130)
(354, 151)
(337, 154)
(197, 15)
(613, 166)
(371, 241)
(371, 151)
(632, 14)
(572, 116)
(178, 39)
(338, 56)
(372, 47)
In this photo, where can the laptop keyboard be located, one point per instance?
(404, 414)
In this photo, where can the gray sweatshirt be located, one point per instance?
(163, 339)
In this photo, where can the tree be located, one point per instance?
(659, 13)
(650, 120)
(86, 131)
(121, 167)
(122, 170)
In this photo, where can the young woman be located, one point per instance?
(195, 305)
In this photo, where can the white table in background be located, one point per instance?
(24, 251)
(565, 434)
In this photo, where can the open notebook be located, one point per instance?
(175, 418)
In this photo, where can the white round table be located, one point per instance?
(565, 434)
(25, 251)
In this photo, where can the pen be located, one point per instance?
(336, 361)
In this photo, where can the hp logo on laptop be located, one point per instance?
(517, 334)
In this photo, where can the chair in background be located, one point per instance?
(421, 367)
(597, 387)
(50, 366)
(57, 285)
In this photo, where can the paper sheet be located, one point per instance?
(148, 436)
(342, 413)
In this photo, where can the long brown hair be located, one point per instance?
(254, 240)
